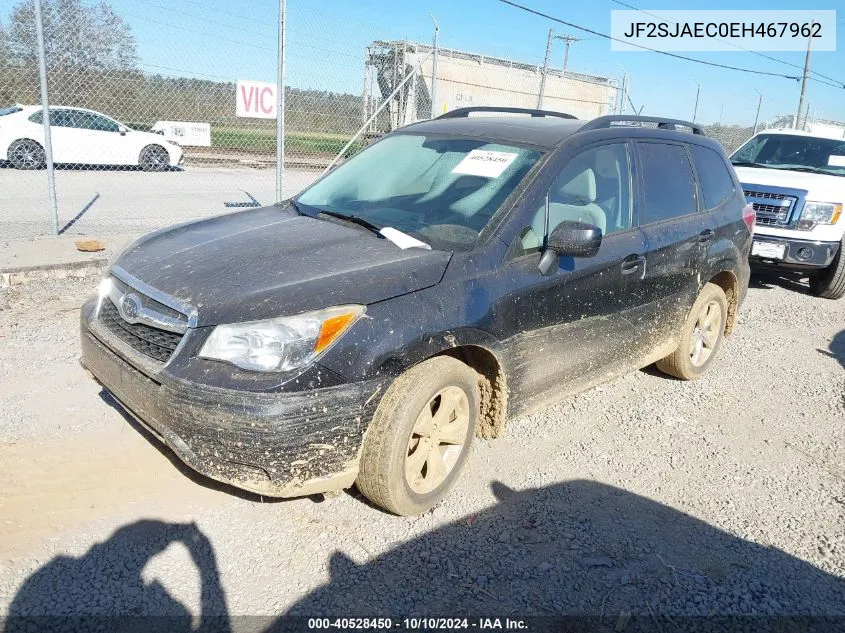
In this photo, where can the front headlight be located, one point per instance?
(819, 213)
(280, 344)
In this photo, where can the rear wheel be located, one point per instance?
(27, 154)
(420, 436)
(701, 336)
(154, 158)
(830, 282)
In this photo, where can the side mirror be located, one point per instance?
(123, 130)
(569, 238)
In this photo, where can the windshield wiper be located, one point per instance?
(354, 219)
(744, 163)
(298, 208)
(812, 170)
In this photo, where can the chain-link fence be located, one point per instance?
(144, 103)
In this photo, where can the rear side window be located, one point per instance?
(716, 182)
(667, 180)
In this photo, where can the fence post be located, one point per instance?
(545, 69)
(280, 111)
(45, 106)
(434, 111)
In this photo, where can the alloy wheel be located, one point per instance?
(27, 155)
(705, 333)
(437, 439)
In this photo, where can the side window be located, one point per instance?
(37, 117)
(593, 187)
(64, 118)
(91, 121)
(716, 182)
(60, 118)
(668, 183)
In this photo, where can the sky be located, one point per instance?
(237, 39)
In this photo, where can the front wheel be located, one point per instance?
(830, 282)
(27, 154)
(701, 336)
(154, 158)
(420, 436)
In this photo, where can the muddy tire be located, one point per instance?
(701, 336)
(830, 282)
(27, 154)
(420, 436)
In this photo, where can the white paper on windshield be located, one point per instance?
(836, 160)
(487, 164)
(402, 240)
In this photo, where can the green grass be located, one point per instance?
(264, 140)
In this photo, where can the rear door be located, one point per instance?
(69, 142)
(677, 238)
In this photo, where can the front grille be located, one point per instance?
(765, 194)
(771, 214)
(155, 343)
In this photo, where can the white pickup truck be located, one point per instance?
(796, 183)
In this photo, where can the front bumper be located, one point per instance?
(821, 254)
(281, 444)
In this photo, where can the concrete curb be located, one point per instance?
(17, 276)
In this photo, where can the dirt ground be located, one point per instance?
(647, 495)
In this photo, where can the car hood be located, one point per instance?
(819, 187)
(270, 262)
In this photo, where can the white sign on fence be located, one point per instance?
(255, 99)
(185, 133)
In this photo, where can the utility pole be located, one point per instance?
(624, 93)
(434, 70)
(804, 82)
(697, 93)
(757, 116)
(545, 69)
(567, 39)
(280, 111)
(45, 120)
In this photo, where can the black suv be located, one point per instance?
(455, 273)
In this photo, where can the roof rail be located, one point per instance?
(662, 123)
(464, 112)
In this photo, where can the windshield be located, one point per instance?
(12, 110)
(440, 190)
(788, 151)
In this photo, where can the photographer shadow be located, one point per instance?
(104, 590)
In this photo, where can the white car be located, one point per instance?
(795, 181)
(80, 137)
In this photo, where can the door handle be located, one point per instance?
(706, 235)
(632, 264)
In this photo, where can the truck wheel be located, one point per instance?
(420, 436)
(701, 336)
(27, 154)
(830, 282)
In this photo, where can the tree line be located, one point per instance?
(93, 63)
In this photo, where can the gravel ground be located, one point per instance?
(645, 496)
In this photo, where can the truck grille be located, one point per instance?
(775, 213)
(155, 343)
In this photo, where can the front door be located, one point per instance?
(574, 323)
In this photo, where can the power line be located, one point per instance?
(747, 50)
(653, 50)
